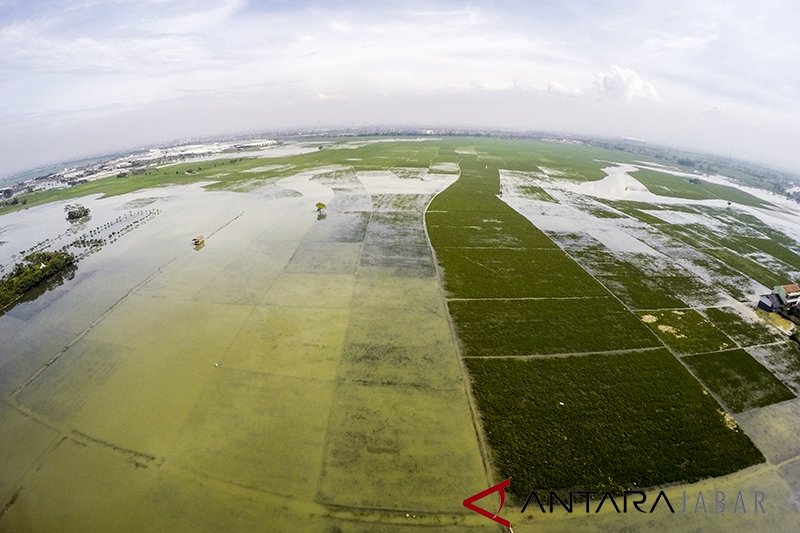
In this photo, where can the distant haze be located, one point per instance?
(87, 76)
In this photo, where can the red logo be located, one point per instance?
(501, 488)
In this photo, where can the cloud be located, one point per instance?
(678, 44)
(563, 90)
(625, 84)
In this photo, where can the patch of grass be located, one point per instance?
(537, 193)
(610, 422)
(695, 235)
(748, 267)
(686, 331)
(483, 230)
(641, 292)
(783, 360)
(507, 273)
(744, 332)
(741, 381)
(529, 327)
(679, 187)
(775, 249)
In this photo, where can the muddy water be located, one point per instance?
(297, 372)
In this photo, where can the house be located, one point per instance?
(784, 298)
(770, 303)
(789, 294)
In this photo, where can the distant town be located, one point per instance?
(131, 164)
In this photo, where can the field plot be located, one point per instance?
(514, 273)
(457, 229)
(664, 184)
(743, 326)
(610, 422)
(250, 369)
(537, 327)
(686, 331)
(302, 369)
(741, 381)
(783, 360)
(557, 423)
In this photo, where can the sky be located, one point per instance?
(86, 77)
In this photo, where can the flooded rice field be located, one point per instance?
(296, 372)
(698, 266)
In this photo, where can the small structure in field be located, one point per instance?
(199, 240)
(784, 299)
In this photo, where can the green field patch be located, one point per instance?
(686, 331)
(538, 327)
(756, 224)
(640, 292)
(536, 193)
(695, 235)
(741, 381)
(775, 249)
(638, 210)
(509, 273)
(690, 289)
(609, 422)
(599, 212)
(483, 230)
(744, 332)
(783, 360)
(680, 187)
(748, 267)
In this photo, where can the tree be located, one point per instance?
(321, 211)
(76, 212)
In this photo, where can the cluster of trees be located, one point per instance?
(31, 272)
(15, 201)
(76, 212)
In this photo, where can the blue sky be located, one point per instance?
(82, 77)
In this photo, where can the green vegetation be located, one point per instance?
(686, 331)
(528, 327)
(635, 210)
(748, 267)
(745, 333)
(76, 212)
(32, 272)
(775, 249)
(514, 273)
(741, 381)
(782, 359)
(608, 422)
(629, 283)
(537, 193)
(679, 187)
(642, 292)
(456, 229)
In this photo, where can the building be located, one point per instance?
(783, 298)
(770, 303)
(789, 294)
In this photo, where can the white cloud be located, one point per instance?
(625, 84)
(94, 58)
(678, 43)
(563, 90)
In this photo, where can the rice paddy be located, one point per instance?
(465, 310)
